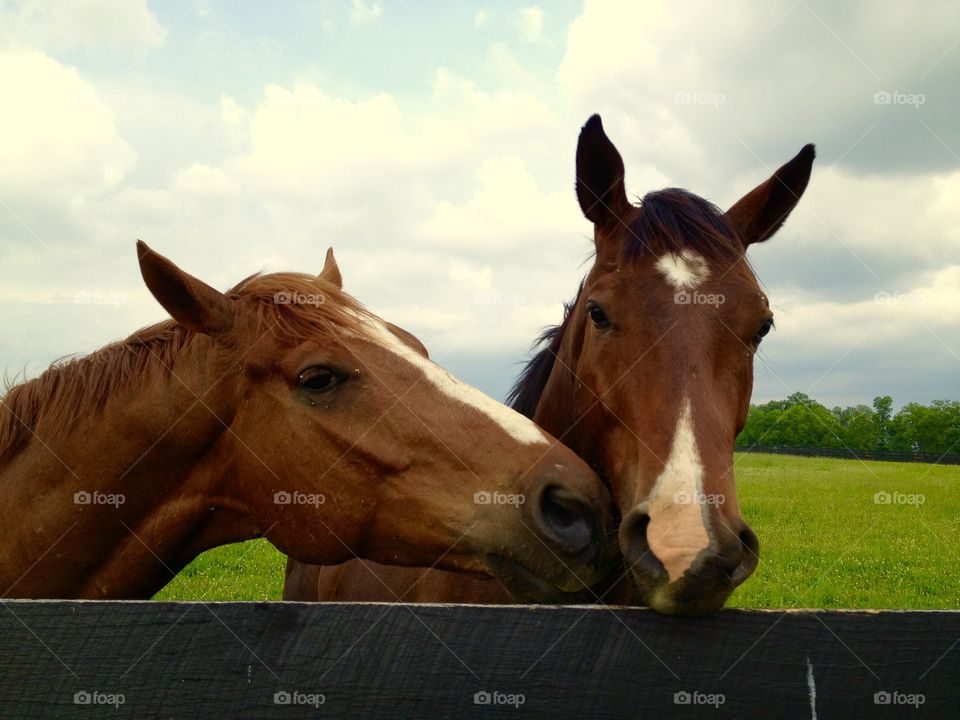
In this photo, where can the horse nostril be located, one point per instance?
(751, 545)
(636, 547)
(567, 519)
(750, 558)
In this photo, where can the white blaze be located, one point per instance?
(677, 532)
(520, 428)
(684, 271)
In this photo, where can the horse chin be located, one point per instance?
(667, 604)
(525, 586)
(678, 598)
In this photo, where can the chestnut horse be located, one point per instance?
(286, 410)
(649, 379)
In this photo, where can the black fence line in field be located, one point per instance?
(358, 660)
(849, 454)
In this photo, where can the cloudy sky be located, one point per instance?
(431, 144)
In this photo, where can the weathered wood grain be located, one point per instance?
(401, 661)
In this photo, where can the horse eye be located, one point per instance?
(318, 380)
(597, 316)
(762, 332)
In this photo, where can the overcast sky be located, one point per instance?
(432, 144)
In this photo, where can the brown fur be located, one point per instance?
(118, 468)
(614, 395)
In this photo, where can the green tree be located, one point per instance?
(800, 421)
(883, 406)
(797, 421)
(859, 428)
(930, 429)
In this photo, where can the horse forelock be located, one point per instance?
(676, 220)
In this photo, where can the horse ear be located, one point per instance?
(600, 189)
(331, 271)
(761, 212)
(191, 302)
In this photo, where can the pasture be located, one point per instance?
(826, 541)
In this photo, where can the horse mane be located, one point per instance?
(75, 387)
(525, 394)
(673, 220)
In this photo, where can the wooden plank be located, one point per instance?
(231, 660)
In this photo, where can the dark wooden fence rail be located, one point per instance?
(286, 660)
(848, 454)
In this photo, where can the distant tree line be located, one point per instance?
(800, 421)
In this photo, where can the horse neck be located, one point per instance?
(124, 498)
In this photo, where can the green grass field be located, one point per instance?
(825, 541)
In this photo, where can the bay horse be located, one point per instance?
(648, 378)
(282, 409)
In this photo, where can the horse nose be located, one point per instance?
(725, 563)
(570, 519)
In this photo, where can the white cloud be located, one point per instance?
(304, 142)
(126, 25)
(235, 119)
(531, 23)
(491, 122)
(847, 352)
(852, 236)
(504, 212)
(412, 229)
(364, 13)
(454, 215)
(480, 18)
(702, 88)
(205, 184)
(883, 320)
(58, 135)
(362, 166)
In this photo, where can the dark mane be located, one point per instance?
(670, 221)
(674, 220)
(76, 387)
(526, 391)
